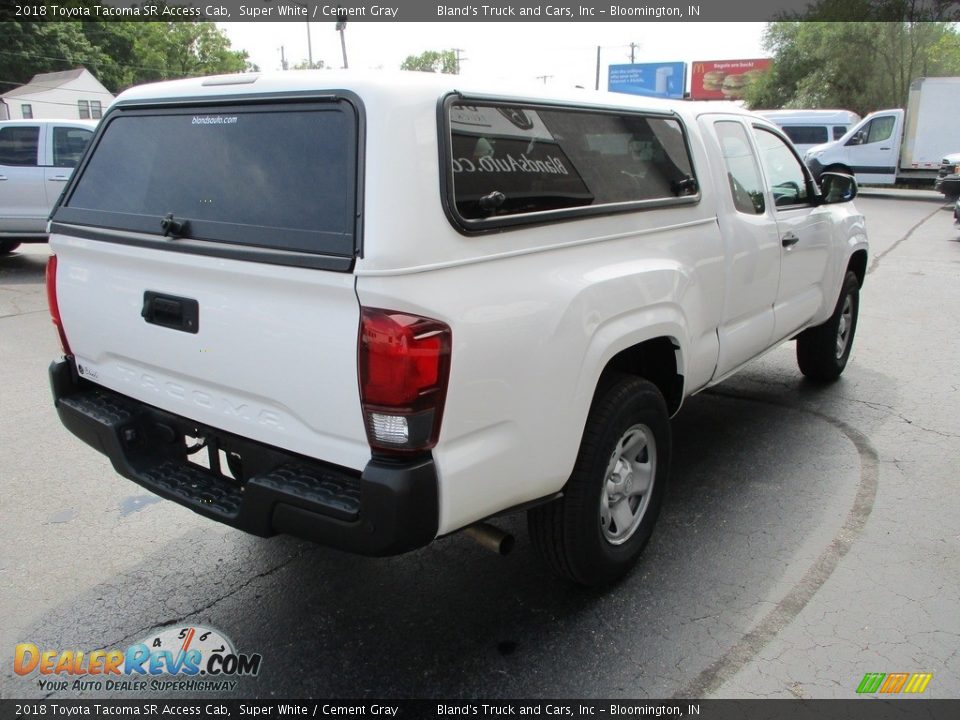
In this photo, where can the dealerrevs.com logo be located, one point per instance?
(173, 658)
(894, 683)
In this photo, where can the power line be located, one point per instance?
(54, 87)
(91, 61)
(88, 61)
(14, 101)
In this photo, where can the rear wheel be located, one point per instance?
(596, 532)
(8, 246)
(823, 351)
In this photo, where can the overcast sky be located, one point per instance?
(567, 51)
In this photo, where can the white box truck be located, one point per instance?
(890, 146)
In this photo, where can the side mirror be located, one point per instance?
(858, 139)
(837, 188)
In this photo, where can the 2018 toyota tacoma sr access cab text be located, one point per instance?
(372, 310)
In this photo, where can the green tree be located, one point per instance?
(305, 65)
(860, 55)
(28, 48)
(120, 54)
(185, 49)
(444, 61)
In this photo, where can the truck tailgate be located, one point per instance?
(271, 354)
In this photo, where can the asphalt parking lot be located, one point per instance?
(810, 536)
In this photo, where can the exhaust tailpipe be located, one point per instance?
(490, 537)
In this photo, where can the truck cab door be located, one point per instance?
(23, 201)
(65, 147)
(804, 231)
(874, 148)
(751, 244)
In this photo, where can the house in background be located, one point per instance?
(70, 94)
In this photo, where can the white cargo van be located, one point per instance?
(807, 128)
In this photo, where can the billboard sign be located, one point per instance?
(666, 80)
(724, 79)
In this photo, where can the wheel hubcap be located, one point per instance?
(628, 484)
(843, 328)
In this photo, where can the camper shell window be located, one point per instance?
(511, 164)
(279, 177)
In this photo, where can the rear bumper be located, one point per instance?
(388, 509)
(948, 185)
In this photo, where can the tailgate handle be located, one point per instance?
(169, 311)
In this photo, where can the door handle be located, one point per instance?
(789, 239)
(58, 178)
(170, 311)
(3, 177)
(886, 148)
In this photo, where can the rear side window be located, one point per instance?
(280, 177)
(785, 176)
(511, 164)
(69, 144)
(743, 175)
(18, 145)
(806, 134)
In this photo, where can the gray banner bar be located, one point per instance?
(487, 11)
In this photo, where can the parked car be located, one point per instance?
(37, 158)
(948, 179)
(372, 310)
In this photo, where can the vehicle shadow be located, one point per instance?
(746, 514)
(23, 267)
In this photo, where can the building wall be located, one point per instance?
(62, 102)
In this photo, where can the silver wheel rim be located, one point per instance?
(843, 329)
(628, 484)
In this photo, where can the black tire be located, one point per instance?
(8, 246)
(569, 533)
(823, 351)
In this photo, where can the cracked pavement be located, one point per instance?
(809, 536)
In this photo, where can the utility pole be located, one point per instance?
(283, 59)
(309, 47)
(341, 25)
(457, 52)
(633, 48)
(544, 78)
(597, 86)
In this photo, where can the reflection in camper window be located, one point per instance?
(509, 160)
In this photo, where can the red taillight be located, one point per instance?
(404, 365)
(53, 304)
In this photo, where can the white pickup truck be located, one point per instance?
(36, 160)
(372, 310)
